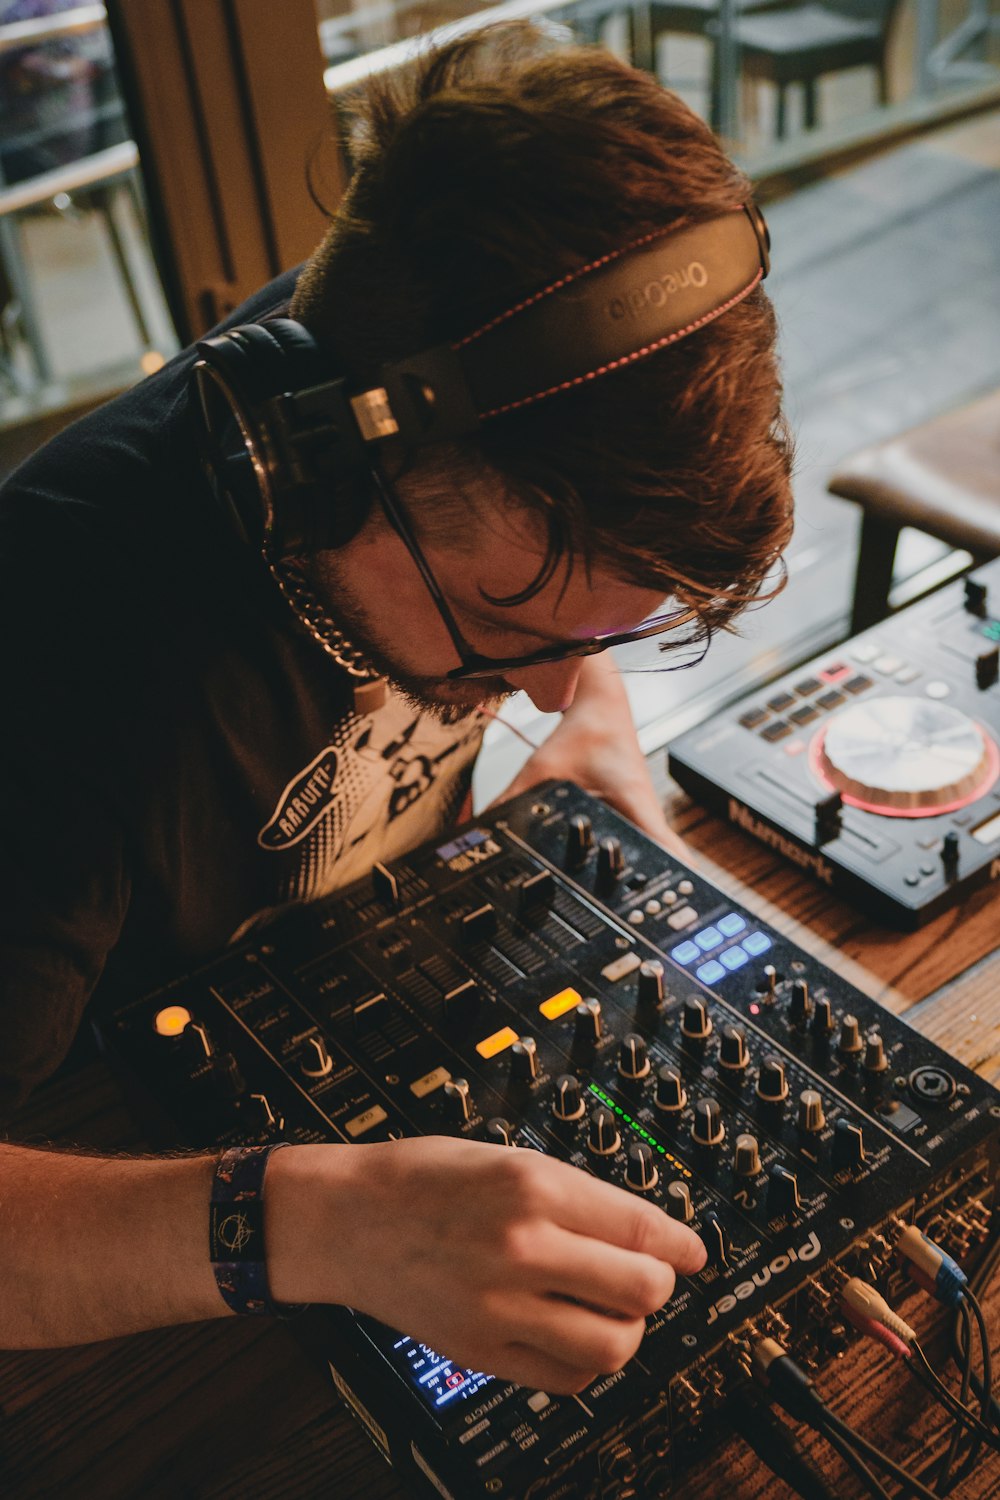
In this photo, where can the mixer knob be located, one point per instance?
(849, 1043)
(800, 1005)
(650, 993)
(708, 1129)
(536, 893)
(976, 594)
(227, 1077)
(610, 861)
(848, 1145)
(458, 1101)
(733, 1055)
(568, 1101)
(524, 1060)
(987, 668)
(811, 1117)
(640, 1168)
(875, 1058)
(746, 1161)
(772, 1086)
(783, 1191)
(715, 1239)
(385, 885)
(588, 1024)
(316, 1061)
(500, 1132)
(768, 984)
(197, 1043)
(268, 1121)
(679, 1204)
(633, 1061)
(671, 1094)
(579, 840)
(696, 1023)
(822, 1021)
(949, 853)
(602, 1134)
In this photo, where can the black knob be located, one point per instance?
(875, 1058)
(316, 1061)
(385, 885)
(696, 1023)
(707, 1128)
(536, 893)
(949, 853)
(772, 1086)
(567, 1103)
(196, 1043)
(987, 668)
(457, 1100)
(671, 1096)
(822, 1021)
(579, 840)
(226, 1075)
(633, 1060)
(610, 861)
(500, 1132)
(811, 1118)
(848, 1145)
(800, 1005)
(587, 1020)
(640, 1167)
(783, 1191)
(267, 1120)
(715, 1239)
(602, 1133)
(650, 991)
(733, 1055)
(524, 1060)
(768, 984)
(976, 594)
(679, 1205)
(746, 1161)
(849, 1043)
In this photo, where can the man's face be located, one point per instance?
(375, 592)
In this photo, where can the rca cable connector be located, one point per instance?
(930, 1267)
(867, 1311)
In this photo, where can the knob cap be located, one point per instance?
(524, 1060)
(696, 1023)
(536, 893)
(579, 840)
(811, 1118)
(875, 1058)
(715, 1239)
(800, 1005)
(385, 885)
(772, 1086)
(671, 1095)
(633, 1060)
(708, 1129)
(196, 1043)
(783, 1191)
(602, 1132)
(568, 1101)
(767, 988)
(822, 1021)
(679, 1205)
(848, 1145)
(949, 853)
(976, 595)
(640, 1167)
(650, 990)
(610, 861)
(500, 1132)
(226, 1075)
(316, 1061)
(267, 1120)
(849, 1043)
(746, 1161)
(733, 1055)
(587, 1021)
(458, 1100)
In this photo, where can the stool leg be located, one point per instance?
(873, 578)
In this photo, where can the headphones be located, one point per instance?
(264, 391)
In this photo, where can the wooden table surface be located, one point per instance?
(233, 1409)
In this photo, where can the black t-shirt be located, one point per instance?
(179, 757)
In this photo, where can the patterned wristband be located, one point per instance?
(236, 1232)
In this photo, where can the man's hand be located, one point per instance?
(503, 1260)
(596, 746)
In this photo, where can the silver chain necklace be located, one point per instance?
(369, 685)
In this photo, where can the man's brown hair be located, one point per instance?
(483, 172)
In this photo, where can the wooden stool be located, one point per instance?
(942, 477)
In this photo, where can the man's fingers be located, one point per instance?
(529, 1367)
(578, 1336)
(608, 1279)
(604, 1212)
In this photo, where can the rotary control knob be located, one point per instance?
(316, 1061)
(800, 1005)
(679, 1205)
(768, 985)
(458, 1101)
(696, 1023)
(588, 1026)
(500, 1132)
(267, 1120)
(602, 1132)
(640, 1167)
(524, 1060)
(650, 990)
(707, 1128)
(196, 1042)
(949, 853)
(579, 840)
(848, 1145)
(772, 1086)
(875, 1058)
(822, 1021)
(733, 1055)
(849, 1043)
(715, 1239)
(633, 1060)
(226, 1075)
(783, 1191)
(671, 1095)
(746, 1161)
(610, 861)
(568, 1101)
(811, 1118)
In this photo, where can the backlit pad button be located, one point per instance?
(857, 684)
(686, 953)
(887, 665)
(865, 651)
(937, 689)
(831, 700)
(808, 686)
(757, 943)
(709, 939)
(753, 718)
(803, 715)
(734, 958)
(618, 968)
(835, 672)
(776, 731)
(711, 972)
(907, 675)
(780, 702)
(731, 924)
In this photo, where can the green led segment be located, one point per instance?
(639, 1129)
(992, 630)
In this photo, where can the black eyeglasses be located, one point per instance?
(474, 664)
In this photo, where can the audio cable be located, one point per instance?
(777, 1446)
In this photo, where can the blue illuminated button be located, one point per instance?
(731, 924)
(734, 958)
(710, 938)
(686, 953)
(711, 972)
(756, 943)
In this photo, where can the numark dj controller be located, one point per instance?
(876, 767)
(549, 979)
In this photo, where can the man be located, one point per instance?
(186, 756)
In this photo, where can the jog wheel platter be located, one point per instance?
(875, 767)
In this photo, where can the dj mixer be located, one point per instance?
(876, 766)
(549, 979)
